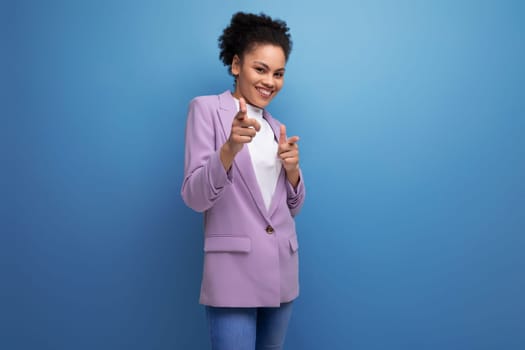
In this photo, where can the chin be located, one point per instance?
(257, 102)
(262, 102)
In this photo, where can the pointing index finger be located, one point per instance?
(292, 140)
(282, 135)
(242, 109)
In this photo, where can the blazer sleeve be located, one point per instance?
(205, 178)
(295, 196)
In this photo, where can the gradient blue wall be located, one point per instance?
(411, 116)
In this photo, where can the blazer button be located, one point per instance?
(269, 230)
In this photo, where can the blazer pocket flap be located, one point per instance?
(228, 244)
(294, 245)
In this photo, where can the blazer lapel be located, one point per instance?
(242, 162)
(279, 190)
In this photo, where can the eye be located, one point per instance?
(279, 74)
(259, 70)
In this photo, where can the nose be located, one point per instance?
(268, 81)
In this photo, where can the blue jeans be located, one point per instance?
(259, 328)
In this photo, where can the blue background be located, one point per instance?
(411, 116)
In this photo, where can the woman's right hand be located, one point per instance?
(243, 131)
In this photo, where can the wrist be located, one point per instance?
(227, 155)
(229, 149)
(293, 176)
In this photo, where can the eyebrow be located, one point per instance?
(267, 67)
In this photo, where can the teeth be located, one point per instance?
(264, 92)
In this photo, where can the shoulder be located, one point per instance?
(206, 110)
(203, 107)
(211, 101)
(208, 100)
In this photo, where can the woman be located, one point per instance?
(243, 172)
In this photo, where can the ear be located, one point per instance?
(236, 65)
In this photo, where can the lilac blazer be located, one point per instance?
(250, 253)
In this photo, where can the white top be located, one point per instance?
(263, 153)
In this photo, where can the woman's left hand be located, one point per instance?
(288, 152)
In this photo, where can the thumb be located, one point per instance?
(282, 136)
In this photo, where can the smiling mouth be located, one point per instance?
(264, 92)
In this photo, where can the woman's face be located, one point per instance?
(260, 74)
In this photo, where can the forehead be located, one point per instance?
(271, 55)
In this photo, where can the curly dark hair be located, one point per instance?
(247, 30)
